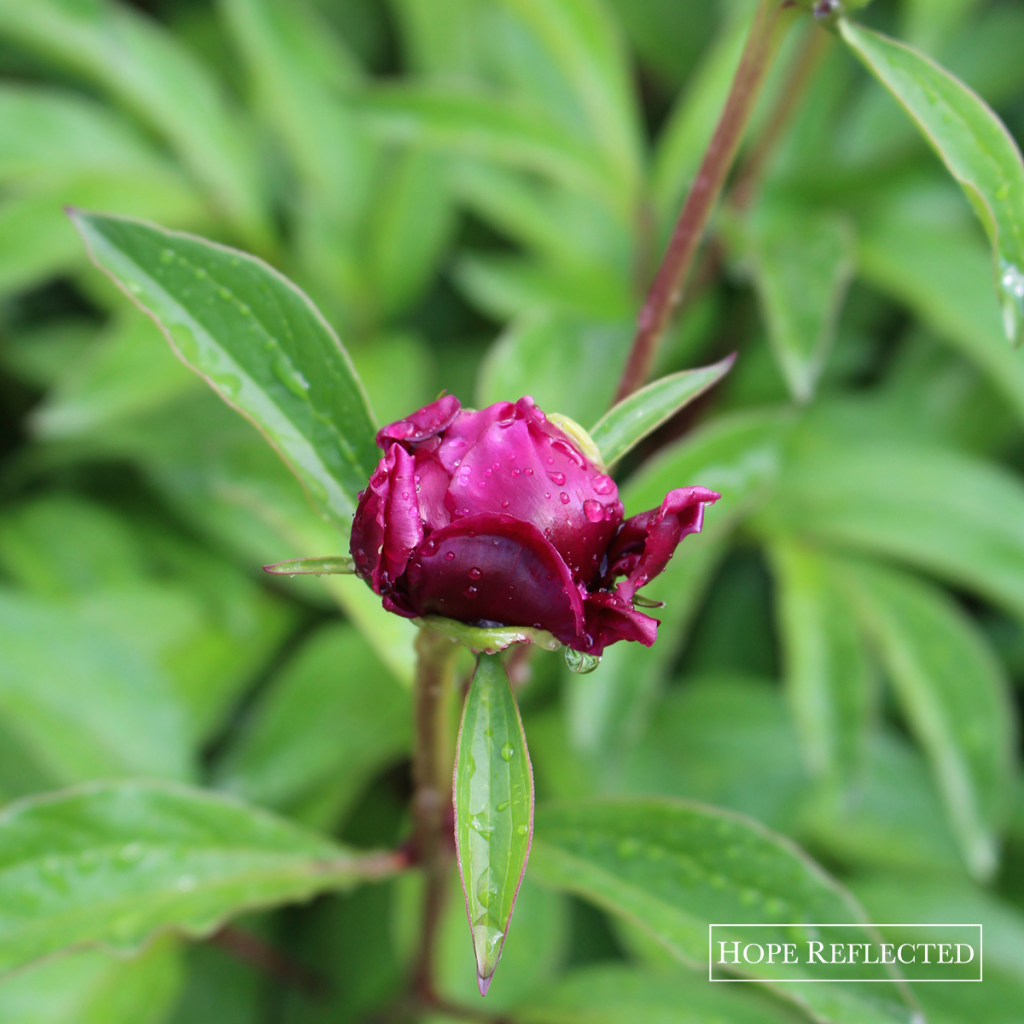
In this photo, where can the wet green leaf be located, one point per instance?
(258, 341)
(973, 143)
(674, 868)
(956, 699)
(113, 863)
(625, 425)
(493, 810)
(829, 679)
(621, 994)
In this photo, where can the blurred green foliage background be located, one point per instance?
(476, 193)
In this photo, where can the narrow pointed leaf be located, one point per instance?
(973, 143)
(802, 265)
(628, 423)
(955, 696)
(493, 810)
(113, 863)
(332, 565)
(674, 867)
(829, 679)
(257, 340)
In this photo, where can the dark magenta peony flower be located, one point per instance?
(497, 517)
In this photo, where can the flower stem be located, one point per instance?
(770, 21)
(433, 816)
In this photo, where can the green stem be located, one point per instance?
(432, 800)
(770, 21)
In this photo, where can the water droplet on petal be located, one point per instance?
(558, 479)
(450, 556)
(603, 484)
(593, 510)
(475, 574)
(564, 497)
(470, 592)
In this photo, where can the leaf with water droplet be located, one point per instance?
(483, 640)
(974, 145)
(116, 862)
(625, 425)
(258, 340)
(493, 810)
(673, 867)
(332, 565)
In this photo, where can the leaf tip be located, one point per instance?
(484, 983)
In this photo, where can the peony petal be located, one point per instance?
(367, 539)
(495, 569)
(608, 619)
(426, 422)
(432, 490)
(403, 529)
(646, 542)
(516, 463)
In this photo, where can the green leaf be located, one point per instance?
(944, 277)
(258, 341)
(129, 370)
(493, 810)
(331, 718)
(505, 286)
(114, 863)
(143, 67)
(95, 987)
(562, 227)
(802, 264)
(504, 130)
(295, 62)
(674, 868)
(950, 514)
(332, 565)
(40, 243)
(568, 364)
(625, 425)
(620, 994)
(587, 47)
(829, 679)
(973, 143)
(51, 135)
(956, 699)
(85, 702)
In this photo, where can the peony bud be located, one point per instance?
(496, 517)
